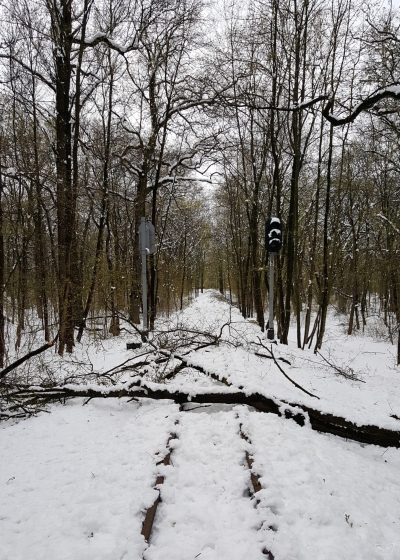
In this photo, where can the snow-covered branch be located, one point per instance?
(29, 69)
(172, 179)
(392, 92)
(114, 45)
(290, 109)
(389, 222)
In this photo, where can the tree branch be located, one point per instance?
(285, 374)
(17, 363)
(392, 92)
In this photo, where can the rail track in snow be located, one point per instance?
(173, 489)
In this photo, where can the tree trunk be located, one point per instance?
(2, 318)
(62, 30)
(325, 266)
(41, 268)
(115, 329)
(313, 249)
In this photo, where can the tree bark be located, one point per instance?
(62, 34)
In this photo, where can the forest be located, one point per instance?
(185, 432)
(206, 119)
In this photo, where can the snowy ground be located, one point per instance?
(75, 483)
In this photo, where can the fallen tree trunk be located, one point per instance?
(301, 414)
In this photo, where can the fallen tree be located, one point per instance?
(138, 388)
(22, 400)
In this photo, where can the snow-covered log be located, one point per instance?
(301, 414)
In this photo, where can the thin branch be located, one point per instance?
(17, 363)
(341, 371)
(285, 374)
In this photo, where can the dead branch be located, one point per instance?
(17, 363)
(285, 374)
(271, 358)
(187, 364)
(352, 376)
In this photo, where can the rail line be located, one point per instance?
(152, 510)
(150, 516)
(255, 482)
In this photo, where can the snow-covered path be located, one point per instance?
(206, 511)
(75, 484)
(329, 499)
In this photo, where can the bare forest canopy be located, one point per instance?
(206, 121)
